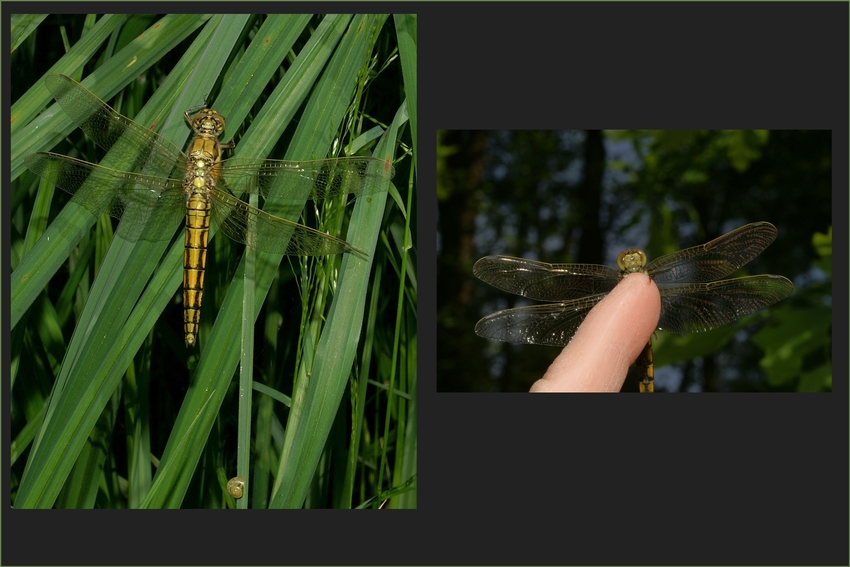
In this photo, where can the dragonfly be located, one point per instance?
(161, 183)
(694, 298)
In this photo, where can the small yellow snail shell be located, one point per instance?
(236, 486)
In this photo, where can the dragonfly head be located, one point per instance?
(631, 260)
(208, 123)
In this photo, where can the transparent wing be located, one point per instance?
(691, 301)
(717, 259)
(140, 147)
(314, 180)
(552, 324)
(267, 233)
(137, 199)
(545, 282)
(298, 180)
(698, 307)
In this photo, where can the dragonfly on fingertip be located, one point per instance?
(694, 298)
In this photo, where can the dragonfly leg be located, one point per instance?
(646, 369)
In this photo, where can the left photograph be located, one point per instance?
(188, 368)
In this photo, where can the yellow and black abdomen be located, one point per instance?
(200, 178)
(195, 262)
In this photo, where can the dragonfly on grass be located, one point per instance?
(198, 184)
(694, 298)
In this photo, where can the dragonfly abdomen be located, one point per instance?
(202, 170)
(195, 261)
(195, 252)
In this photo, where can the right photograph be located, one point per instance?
(634, 260)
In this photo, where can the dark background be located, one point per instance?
(583, 196)
(575, 479)
(639, 480)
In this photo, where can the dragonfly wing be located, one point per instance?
(545, 282)
(139, 147)
(267, 233)
(301, 180)
(553, 324)
(141, 201)
(694, 308)
(717, 259)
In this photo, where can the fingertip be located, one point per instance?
(612, 336)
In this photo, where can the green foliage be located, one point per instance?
(108, 407)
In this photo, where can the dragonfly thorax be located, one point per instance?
(201, 170)
(631, 260)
